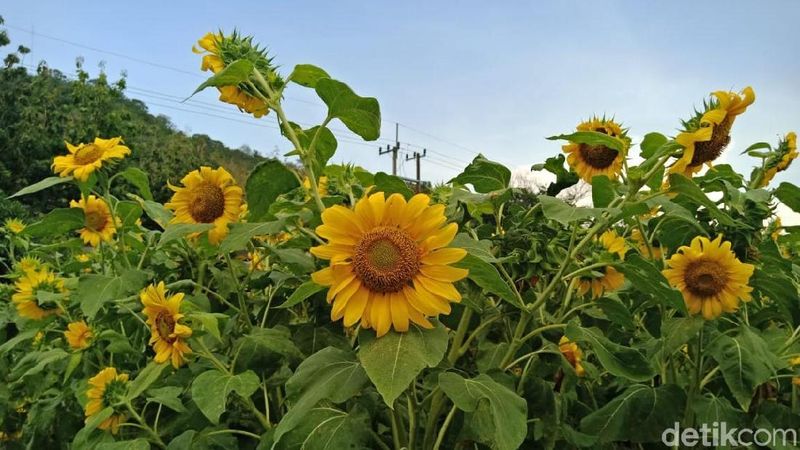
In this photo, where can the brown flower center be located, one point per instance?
(386, 259)
(208, 203)
(705, 278)
(598, 156)
(95, 220)
(165, 325)
(710, 150)
(88, 154)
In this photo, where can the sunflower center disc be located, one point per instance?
(165, 325)
(88, 154)
(386, 259)
(598, 156)
(710, 150)
(95, 220)
(705, 278)
(208, 203)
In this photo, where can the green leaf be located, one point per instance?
(241, 233)
(304, 291)
(209, 322)
(146, 377)
(177, 231)
(688, 189)
(236, 72)
(486, 276)
(135, 444)
(710, 408)
(167, 396)
(745, 361)
(266, 182)
(156, 211)
(330, 374)
(640, 414)
(266, 347)
(138, 178)
(82, 436)
(789, 195)
(565, 213)
(41, 185)
(58, 222)
(296, 258)
(479, 249)
(361, 115)
(326, 428)
(508, 410)
(36, 362)
(484, 175)
(646, 277)
(307, 75)
(651, 143)
(564, 176)
(616, 312)
(619, 360)
(591, 138)
(602, 191)
(128, 212)
(96, 290)
(324, 145)
(756, 146)
(211, 388)
(391, 184)
(395, 359)
(677, 331)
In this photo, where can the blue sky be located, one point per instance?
(462, 77)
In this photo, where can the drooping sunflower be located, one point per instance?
(78, 335)
(782, 158)
(614, 243)
(573, 354)
(710, 277)
(105, 389)
(592, 160)
(98, 221)
(15, 226)
(705, 136)
(84, 159)
(168, 337)
(610, 280)
(218, 51)
(207, 196)
(27, 287)
(389, 262)
(641, 245)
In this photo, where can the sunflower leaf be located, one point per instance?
(266, 182)
(307, 75)
(486, 276)
(57, 222)
(211, 388)
(591, 138)
(236, 72)
(41, 185)
(361, 115)
(146, 377)
(484, 175)
(619, 360)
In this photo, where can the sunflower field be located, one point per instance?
(327, 307)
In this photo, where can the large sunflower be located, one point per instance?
(105, 389)
(207, 196)
(98, 220)
(707, 134)
(78, 335)
(168, 337)
(212, 47)
(593, 160)
(389, 262)
(710, 277)
(84, 159)
(27, 287)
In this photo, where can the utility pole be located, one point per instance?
(393, 149)
(417, 157)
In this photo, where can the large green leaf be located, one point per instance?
(135, 444)
(211, 388)
(603, 191)
(307, 75)
(266, 182)
(640, 414)
(508, 410)
(139, 179)
(564, 176)
(486, 276)
(236, 72)
(145, 378)
(394, 360)
(266, 348)
(645, 277)
(391, 184)
(41, 185)
(484, 175)
(326, 428)
(651, 143)
(686, 188)
(619, 360)
(361, 115)
(96, 290)
(564, 213)
(677, 331)
(302, 292)
(479, 249)
(58, 222)
(789, 195)
(591, 138)
(168, 396)
(241, 233)
(330, 374)
(745, 361)
(175, 231)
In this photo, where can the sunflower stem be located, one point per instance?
(155, 438)
(443, 429)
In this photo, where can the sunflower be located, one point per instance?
(212, 47)
(15, 226)
(257, 260)
(106, 389)
(167, 335)
(83, 257)
(776, 226)
(593, 160)
(78, 335)
(707, 134)
(641, 245)
(389, 262)
(609, 281)
(84, 159)
(322, 186)
(98, 222)
(573, 354)
(710, 277)
(783, 157)
(613, 243)
(27, 287)
(207, 196)
(29, 264)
